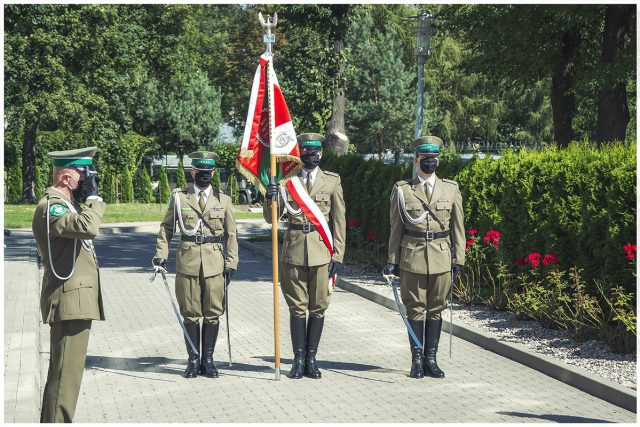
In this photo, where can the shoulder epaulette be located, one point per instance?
(403, 182)
(177, 190)
(450, 181)
(332, 174)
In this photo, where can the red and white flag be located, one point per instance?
(268, 114)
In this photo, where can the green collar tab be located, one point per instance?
(428, 148)
(72, 161)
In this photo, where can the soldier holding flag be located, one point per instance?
(313, 249)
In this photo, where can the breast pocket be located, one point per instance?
(216, 218)
(414, 209)
(444, 210)
(323, 201)
(189, 219)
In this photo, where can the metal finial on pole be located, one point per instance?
(269, 39)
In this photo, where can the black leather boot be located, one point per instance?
(209, 338)
(417, 358)
(298, 326)
(314, 332)
(193, 364)
(432, 334)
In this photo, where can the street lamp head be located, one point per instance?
(424, 30)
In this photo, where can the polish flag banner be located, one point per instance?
(268, 130)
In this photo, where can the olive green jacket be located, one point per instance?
(416, 254)
(191, 255)
(309, 249)
(79, 296)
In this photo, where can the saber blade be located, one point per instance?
(226, 311)
(177, 313)
(394, 285)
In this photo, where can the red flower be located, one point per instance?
(535, 263)
(469, 243)
(373, 235)
(492, 238)
(521, 261)
(550, 259)
(473, 232)
(630, 250)
(533, 256)
(352, 223)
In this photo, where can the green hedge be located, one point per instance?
(578, 202)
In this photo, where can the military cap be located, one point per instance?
(426, 144)
(204, 160)
(310, 140)
(80, 157)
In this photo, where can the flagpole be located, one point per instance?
(269, 39)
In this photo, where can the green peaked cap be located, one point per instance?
(204, 160)
(310, 140)
(77, 157)
(427, 144)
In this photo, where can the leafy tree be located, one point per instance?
(13, 184)
(228, 153)
(182, 116)
(215, 181)
(379, 116)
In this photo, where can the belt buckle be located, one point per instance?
(429, 235)
(199, 239)
(306, 227)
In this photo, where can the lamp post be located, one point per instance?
(424, 30)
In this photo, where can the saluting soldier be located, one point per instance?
(70, 298)
(315, 208)
(427, 241)
(205, 218)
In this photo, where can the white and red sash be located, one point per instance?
(313, 214)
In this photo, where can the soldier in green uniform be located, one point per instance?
(205, 217)
(426, 241)
(307, 263)
(70, 298)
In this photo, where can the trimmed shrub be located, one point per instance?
(164, 190)
(13, 184)
(127, 186)
(143, 188)
(181, 179)
(215, 181)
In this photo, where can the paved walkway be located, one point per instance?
(136, 358)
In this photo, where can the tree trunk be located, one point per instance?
(613, 109)
(29, 163)
(336, 140)
(562, 96)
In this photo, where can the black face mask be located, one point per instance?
(203, 178)
(429, 165)
(311, 161)
(78, 194)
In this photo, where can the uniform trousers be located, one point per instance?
(306, 288)
(68, 351)
(422, 292)
(200, 296)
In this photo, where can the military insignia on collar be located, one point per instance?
(186, 209)
(58, 210)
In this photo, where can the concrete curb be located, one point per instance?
(601, 388)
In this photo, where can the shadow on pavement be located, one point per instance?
(555, 418)
(134, 364)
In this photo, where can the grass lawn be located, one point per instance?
(20, 216)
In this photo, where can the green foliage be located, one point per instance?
(164, 191)
(142, 187)
(578, 203)
(13, 184)
(127, 186)
(378, 115)
(228, 153)
(232, 189)
(109, 184)
(181, 179)
(215, 181)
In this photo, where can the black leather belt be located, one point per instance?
(306, 227)
(428, 235)
(199, 239)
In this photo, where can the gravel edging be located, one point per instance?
(587, 366)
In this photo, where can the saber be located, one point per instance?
(393, 282)
(226, 311)
(175, 310)
(450, 315)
